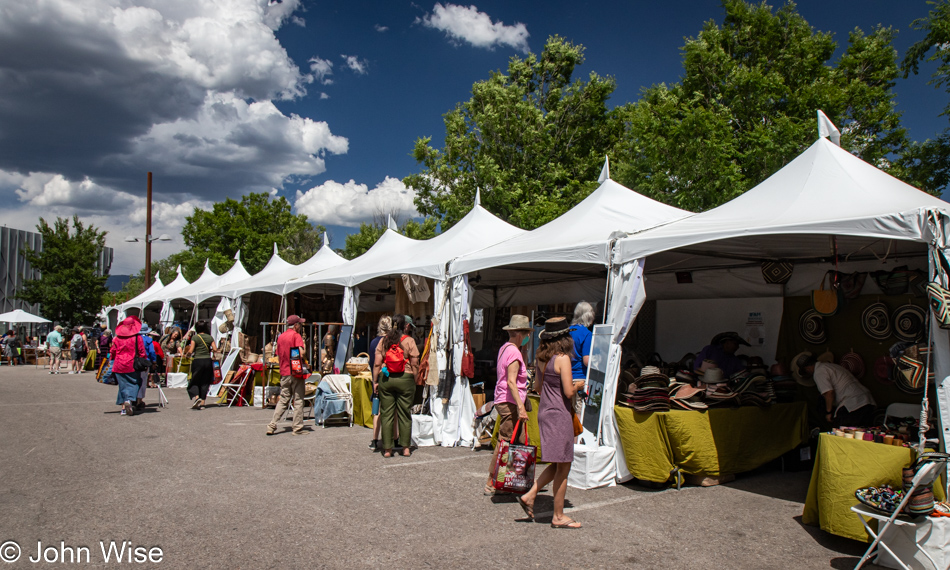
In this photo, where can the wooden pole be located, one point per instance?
(148, 234)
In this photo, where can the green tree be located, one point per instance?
(69, 291)
(747, 102)
(533, 141)
(926, 164)
(252, 226)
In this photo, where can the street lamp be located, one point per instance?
(148, 235)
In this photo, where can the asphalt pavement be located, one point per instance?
(208, 489)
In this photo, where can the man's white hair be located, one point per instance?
(583, 314)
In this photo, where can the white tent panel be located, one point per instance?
(139, 300)
(215, 287)
(389, 247)
(192, 290)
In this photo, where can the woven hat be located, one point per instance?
(853, 363)
(812, 327)
(875, 321)
(801, 360)
(909, 322)
(555, 327)
(712, 376)
(826, 356)
(689, 398)
(518, 323)
(730, 335)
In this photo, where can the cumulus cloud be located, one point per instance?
(321, 69)
(380, 29)
(467, 24)
(348, 204)
(355, 64)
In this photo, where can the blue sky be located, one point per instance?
(319, 102)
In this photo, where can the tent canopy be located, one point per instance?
(191, 291)
(580, 235)
(825, 191)
(389, 247)
(140, 299)
(21, 316)
(222, 282)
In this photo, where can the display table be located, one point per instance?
(362, 389)
(712, 443)
(841, 467)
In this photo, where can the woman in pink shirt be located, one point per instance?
(126, 346)
(511, 388)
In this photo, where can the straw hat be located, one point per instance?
(555, 327)
(518, 323)
(801, 360)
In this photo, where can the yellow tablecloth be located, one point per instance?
(841, 467)
(362, 389)
(180, 364)
(711, 443)
(534, 434)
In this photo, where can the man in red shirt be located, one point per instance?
(289, 384)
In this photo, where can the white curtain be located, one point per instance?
(457, 414)
(441, 325)
(120, 317)
(351, 299)
(627, 296)
(167, 316)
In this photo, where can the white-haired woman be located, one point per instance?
(382, 329)
(581, 335)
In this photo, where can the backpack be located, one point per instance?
(396, 358)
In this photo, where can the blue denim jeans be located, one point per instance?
(129, 383)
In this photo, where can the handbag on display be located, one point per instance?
(423, 373)
(513, 470)
(825, 301)
(937, 294)
(468, 358)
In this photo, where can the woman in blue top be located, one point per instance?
(580, 356)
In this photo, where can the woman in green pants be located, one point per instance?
(398, 353)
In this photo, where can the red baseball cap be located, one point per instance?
(294, 319)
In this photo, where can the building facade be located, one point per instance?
(15, 270)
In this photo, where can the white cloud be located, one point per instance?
(321, 69)
(461, 23)
(355, 64)
(380, 29)
(324, 95)
(350, 203)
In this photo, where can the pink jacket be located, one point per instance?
(127, 345)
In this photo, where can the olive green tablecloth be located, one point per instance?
(841, 467)
(362, 389)
(710, 443)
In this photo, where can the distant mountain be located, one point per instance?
(116, 282)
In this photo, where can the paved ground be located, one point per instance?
(212, 491)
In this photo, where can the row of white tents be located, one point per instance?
(825, 202)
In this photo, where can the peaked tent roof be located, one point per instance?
(153, 289)
(278, 272)
(580, 235)
(389, 247)
(824, 191)
(233, 275)
(191, 291)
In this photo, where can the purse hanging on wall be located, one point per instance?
(937, 294)
(825, 301)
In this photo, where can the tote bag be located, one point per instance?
(513, 471)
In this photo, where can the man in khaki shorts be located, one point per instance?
(54, 342)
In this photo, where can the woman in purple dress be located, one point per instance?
(554, 418)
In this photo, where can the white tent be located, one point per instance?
(824, 203)
(389, 247)
(20, 316)
(160, 294)
(223, 282)
(137, 301)
(278, 272)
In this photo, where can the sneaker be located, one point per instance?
(122, 413)
(302, 432)
(270, 430)
(372, 445)
(195, 404)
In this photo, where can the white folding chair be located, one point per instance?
(346, 382)
(235, 389)
(926, 475)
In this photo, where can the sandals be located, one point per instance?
(388, 453)
(528, 509)
(570, 524)
(406, 452)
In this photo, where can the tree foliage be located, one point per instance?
(533, 141)
(747, 102)
(252, 226)
(69, 291)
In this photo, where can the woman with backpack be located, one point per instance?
(397, 357)
(77, 349)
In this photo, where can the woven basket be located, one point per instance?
(357, 364)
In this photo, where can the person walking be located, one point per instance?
(126, 347)
(54, 347)
(202, 371)
(511, 388)
(104, 345)
(145, 332)
(77, 345)
(554, 418)
(290, 386)
(382, 329)
(397, 388)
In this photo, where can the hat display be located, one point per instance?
(555, 327)
(875, 321)
(812, 327)
(801, 360)
(518, 323)
(910, 374)
(909, 322)
(294, 319)
(649, 392)
(853, 363)
(730, 335)
(687, 397)
(755, 390)
(712, 376)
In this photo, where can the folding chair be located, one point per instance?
(312, 398)
(925, 476)
(235, 388)
(901, 410)
(335, 389)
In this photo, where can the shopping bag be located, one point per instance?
(825, 301)
(513, 471)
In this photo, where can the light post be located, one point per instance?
(148, 234)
